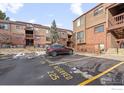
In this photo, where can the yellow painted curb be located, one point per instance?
(99, 75)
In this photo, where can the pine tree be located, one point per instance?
(54, 33)
(3, 16)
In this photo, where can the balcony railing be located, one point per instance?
(116, 21)
(29, 35)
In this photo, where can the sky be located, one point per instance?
(45, 13)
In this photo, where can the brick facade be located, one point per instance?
(21, 34)
(94, 41)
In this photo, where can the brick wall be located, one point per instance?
(93, 39)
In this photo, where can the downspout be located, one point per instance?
(106, 24)
(10, 33)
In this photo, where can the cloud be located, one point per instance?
(76, 8)
(12, 19)
(12, 7)
(32, 21)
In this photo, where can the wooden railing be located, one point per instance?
(116, 20)
(119, 19)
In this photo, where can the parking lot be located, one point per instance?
(30, 69)
(89, 67)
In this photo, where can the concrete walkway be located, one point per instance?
(108, 56)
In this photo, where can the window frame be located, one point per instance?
(98, 11)
(47, 31)
(3, 28)
(80, 37)
(98, 26)
(18, 27)
(48, 39)
(78, 22)
(101, 46)
(56, 46)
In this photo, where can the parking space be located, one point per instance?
(62, 75)
(88, 67)
(111, 76)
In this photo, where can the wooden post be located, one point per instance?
(117, 46)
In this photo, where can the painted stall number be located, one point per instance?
(60, 70)
(53, 75)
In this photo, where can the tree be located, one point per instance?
(54, 33)
(3, 16)
(7, 18)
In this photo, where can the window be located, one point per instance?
(98, 11)
(99, 28)
(48, 39)
(18, 27)
(80, 37)
(37, 36)
(57, 46)
(47, 31)
(63, 35)
(48, 35)
(3, 26)
(37, 29)
(78, 22)
(101, 47)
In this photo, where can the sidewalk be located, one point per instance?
(108, 56)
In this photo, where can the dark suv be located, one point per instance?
(57, 49)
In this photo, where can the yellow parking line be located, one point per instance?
(99, 75)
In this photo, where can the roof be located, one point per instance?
(39, 25)
(22, 23)
(64, 29)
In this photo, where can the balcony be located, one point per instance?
(116, 25)
(116, 21)
(29, 36)
(69, 39)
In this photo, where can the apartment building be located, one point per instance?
(23, 34)
(100, 28)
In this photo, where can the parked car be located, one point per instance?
(57, 49)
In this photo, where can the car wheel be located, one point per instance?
(54, 54)
(70, 52)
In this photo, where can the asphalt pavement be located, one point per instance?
(46, 70)
(34, 72)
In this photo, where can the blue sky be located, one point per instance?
(45, 13)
